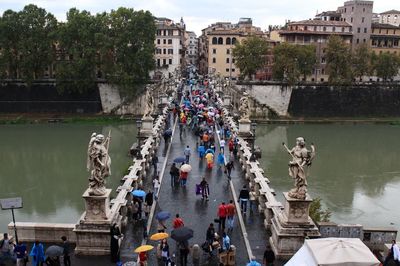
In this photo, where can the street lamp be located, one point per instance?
(139, 126)
(253, 128)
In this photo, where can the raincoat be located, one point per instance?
(37, 254)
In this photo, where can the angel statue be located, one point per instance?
(148, 111)
(298, 167)
(244, 108)
(98, 163)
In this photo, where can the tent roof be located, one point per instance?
(341, 252)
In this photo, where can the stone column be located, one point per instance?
(147, 127)
(93, 228)
(290, 227)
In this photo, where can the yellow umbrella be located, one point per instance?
(159, 236)
(143, 248)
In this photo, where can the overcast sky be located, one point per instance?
(199, 14)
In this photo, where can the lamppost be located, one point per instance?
(139, 126)
(253, 128)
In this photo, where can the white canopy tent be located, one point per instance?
(333, 252)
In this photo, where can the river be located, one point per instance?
(45, 164)
(356, 172)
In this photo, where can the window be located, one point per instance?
(214, 51)
(233, 40)
(342, 29)
(164, 51)
(351, 20)
(214, 40)
(364, 9)
(214, 60)
(315, 28)
(352, 8)
(164, 41)
(169, 41)
(233, 70)
(227, 69)
(358, 41)
(333, 29)
(324, 28)
(227, 60)
(358, 30)
(365, 30)
(323, 60)
(362, 20)
(228, 51)
(220, 40)
(158, 62)
(158, 41)
(228, 40)
(305, 27)
(170, 51)
(233, 60)
(164, 61)
(170, 61)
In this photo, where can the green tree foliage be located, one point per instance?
(132, 34)
(386, 66)
(317, 213)
(292, 61)
(10, 37)
(338, 60)
(36, 45)
(361, 61)
(250, 55)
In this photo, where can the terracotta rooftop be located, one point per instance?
(384, 26)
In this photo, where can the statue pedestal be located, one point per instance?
(290, 227)
(244, 128)
(227, 101)
(93, 228)
(147, 127)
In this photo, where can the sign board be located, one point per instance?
(11, 203)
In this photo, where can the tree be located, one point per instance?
(317, 213)
(361, 60)
(338, 60)
(36, 45)
(250, 55)
(387, 66)
(132, 34)
(291, 61)
(80, 39)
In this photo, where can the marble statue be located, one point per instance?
(298, 167)
(244, 108)
(149, 109)
(98, 163)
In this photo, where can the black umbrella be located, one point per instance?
(182, 234)
(54, 251)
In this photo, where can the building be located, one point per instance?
(218, 41)
(391, 17)
(359, 15)
(170, 47)
(385, 38)
(192, 51)
(329, 16)
(317, 32)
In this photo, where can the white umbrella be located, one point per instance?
(186, 168)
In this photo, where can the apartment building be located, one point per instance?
(385, 38)
(391, 17)
(192, 51)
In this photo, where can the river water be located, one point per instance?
(45, 164)
(356, 172)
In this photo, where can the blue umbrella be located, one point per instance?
(163, 215)
(138, 193)
(209, 151)
(180, 159)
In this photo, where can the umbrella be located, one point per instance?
(138, 193)
(159, 236)
(180, 159)
(210, 151)
(168, 132)
(54, 251)
(163, 215)
(182, 234)
(144, 248)
(186, 168)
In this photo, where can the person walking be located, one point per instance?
(210, 160)
(229, 166)
(156, 186)
(6, 248)
(183, 252)
(37, 254)
(252, 199)
(253, 262)
(161, 226)
(148, 202)
(187, 153)
(205, 190)
(196, 255)
(154, 162)
(22, 254)
(178, 222)
(66, 251)
(222, 215)
(210, 234)
(221, 159)
(114, 245)
(393, 255)
(226, 242)
(164, 250)
(244, 196)
(222, 145)
(269, 256)
(183, 178)
(174, 172)
(230, 213)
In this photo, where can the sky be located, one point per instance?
(199, 14)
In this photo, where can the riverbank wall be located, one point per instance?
(320, 100)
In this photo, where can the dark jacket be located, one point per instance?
(244, 194)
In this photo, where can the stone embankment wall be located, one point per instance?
(362, 100)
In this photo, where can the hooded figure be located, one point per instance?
(37, 254)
